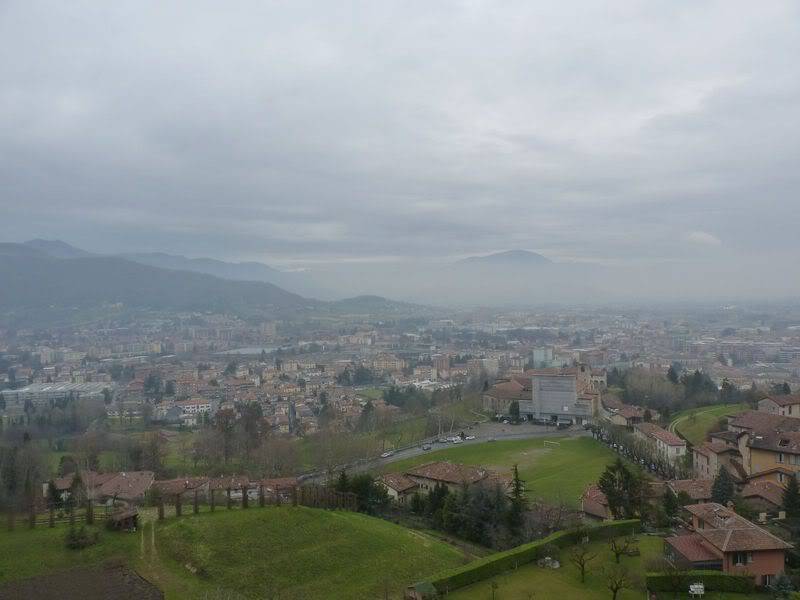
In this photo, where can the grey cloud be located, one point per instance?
(302, 131)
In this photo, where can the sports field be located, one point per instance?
(552, 472)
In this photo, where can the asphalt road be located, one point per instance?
(482, 432)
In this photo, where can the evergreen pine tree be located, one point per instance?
(343, 483)
(791, 498)
(671, 504)
(722, 490)
(516, 509)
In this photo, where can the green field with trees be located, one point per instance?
(541, 466)
(531, 582)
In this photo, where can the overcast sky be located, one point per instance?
(304, 132)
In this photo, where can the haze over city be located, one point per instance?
(399, 300)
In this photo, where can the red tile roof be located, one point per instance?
(398, 482)
(728, 532)
(654, 431)
(698, 489)
(766, 490)
(693, 548)
(448, 472)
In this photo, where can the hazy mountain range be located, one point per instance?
(499, 278)
(48, 277)
(54, 273)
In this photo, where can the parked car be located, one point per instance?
(470, 437)
(426, 447)
(387, 454)
(456, 440)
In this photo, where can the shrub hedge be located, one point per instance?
(490, 566)
(714, 581)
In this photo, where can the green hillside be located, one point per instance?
(299, 553)
(695, 424)
(287, 553)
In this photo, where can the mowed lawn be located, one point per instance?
(297, 552)
(695, 424)
(551, 473)
(531, 581)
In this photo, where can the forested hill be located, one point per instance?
(32, 280)
(41, 286)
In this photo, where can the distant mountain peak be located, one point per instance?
(509, 257)
(57, 248)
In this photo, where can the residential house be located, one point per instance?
(722, 540)
(787, 406)
(499, 397)
(699, 490)
(722, 451)
(666, 443)
(763, 496)
(452, 475)
(594, 504)
(398, 486)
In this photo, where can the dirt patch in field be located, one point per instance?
(83, 584)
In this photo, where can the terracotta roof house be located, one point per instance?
(128, 486)
(398, 486)
(499, 397)
(764, 496)
(666, 443)
(699, 490)
(594, 503)
(787, 405)
(722, 540)
(453, 475)
(709, 457)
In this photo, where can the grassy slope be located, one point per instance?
(565, 582)
(295, 552)
(696, 423)
(25, 553)
(300, 552)
(550, 473)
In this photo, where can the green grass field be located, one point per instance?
(300, 553)
(287, 553)
(533, 582)
(550, 473)
(25, 553)
(695, 424)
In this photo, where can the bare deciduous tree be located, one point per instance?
(581, 556)
(620, 546)
(618, 578)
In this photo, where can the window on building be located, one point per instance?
(780, 457)
(742, 558)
